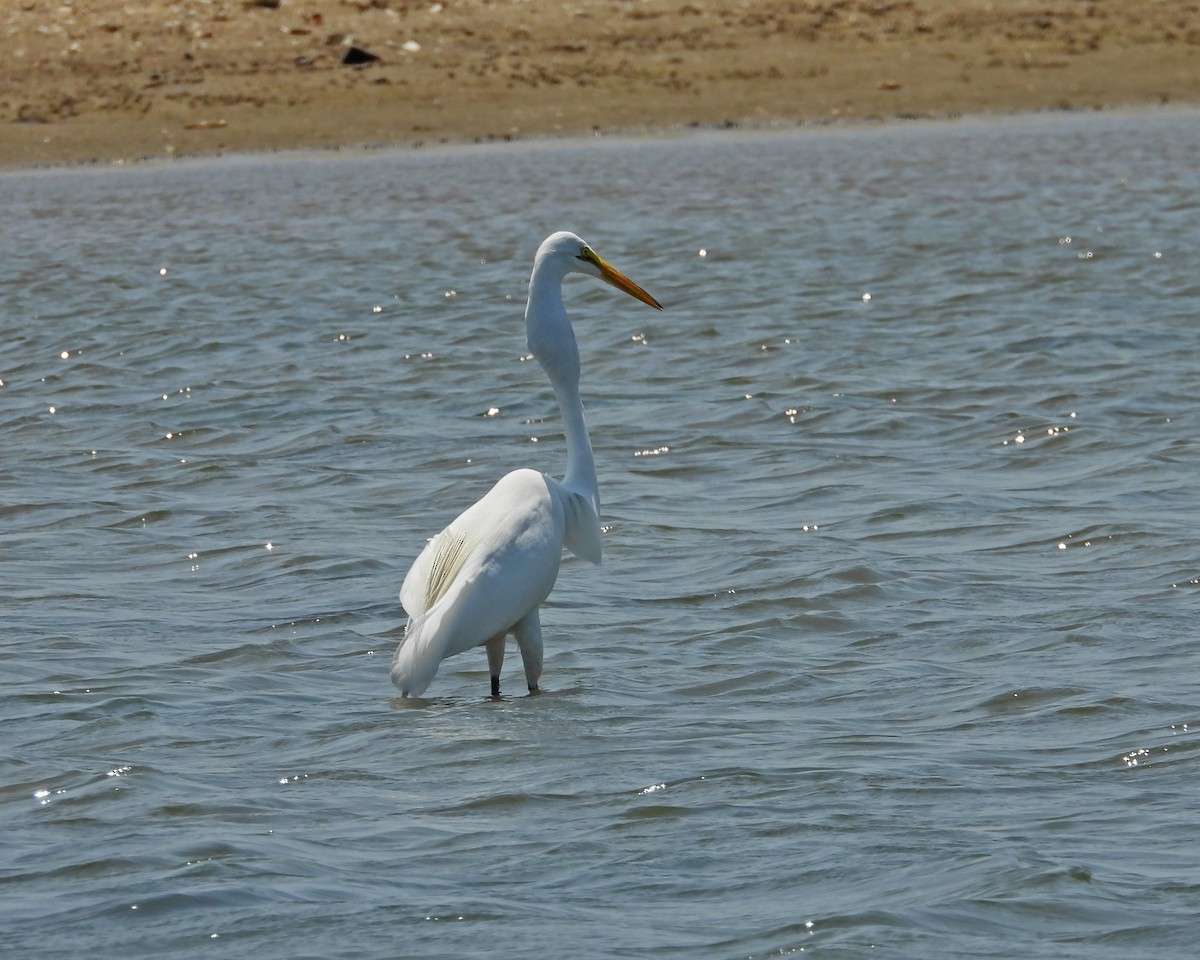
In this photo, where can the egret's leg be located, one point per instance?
(495, 654)
(528, 632)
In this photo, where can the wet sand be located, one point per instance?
(122, 80)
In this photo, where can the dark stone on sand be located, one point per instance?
(356, 56)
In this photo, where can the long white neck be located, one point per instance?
(552, 341)
(581, 466)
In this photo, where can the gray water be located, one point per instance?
(894, 649)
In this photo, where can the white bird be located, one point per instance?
(486, 574)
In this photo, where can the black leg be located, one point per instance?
(495, 686)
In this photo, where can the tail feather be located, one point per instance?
(434, 575)
(420, 654)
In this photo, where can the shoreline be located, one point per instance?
(137, 80)
(640, 134)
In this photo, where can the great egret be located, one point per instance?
(485, 575)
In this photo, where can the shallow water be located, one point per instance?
(894, 650)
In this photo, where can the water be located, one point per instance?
(894, 648)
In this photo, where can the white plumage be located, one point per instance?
(486, 574)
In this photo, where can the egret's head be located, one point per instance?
(577, 256)
(547, 329)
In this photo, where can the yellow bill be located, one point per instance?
(610, 274)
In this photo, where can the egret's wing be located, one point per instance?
(478, 577)
(490, 593)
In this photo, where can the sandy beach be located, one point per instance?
(121, 80)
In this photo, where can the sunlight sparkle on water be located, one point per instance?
(1136, 757)
(1053, 430)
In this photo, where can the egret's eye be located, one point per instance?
(585, 254)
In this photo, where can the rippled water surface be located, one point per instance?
(894, 651)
